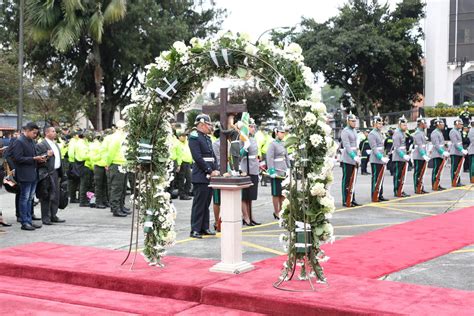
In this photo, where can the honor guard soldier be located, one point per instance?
(420, 155)
(439, 154)
(377, 160)
(457, 153)
(350, 161)
(204, 167)
(400, 158)
(278, 164)
(470, 152)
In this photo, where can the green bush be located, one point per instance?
(445, 111)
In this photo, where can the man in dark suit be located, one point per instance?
(48, 177)
(26, 173)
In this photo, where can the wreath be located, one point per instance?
(170, 85)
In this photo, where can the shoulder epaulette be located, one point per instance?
(194, 134)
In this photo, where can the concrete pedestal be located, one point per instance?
(231, 227)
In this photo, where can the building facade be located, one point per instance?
(449, 51)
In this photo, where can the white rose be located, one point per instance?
(318, 189)
(246, 37)
(293, 48)
(180, 47)
(251, 49)
(327, 202)
(310, 118)
(318, 107)
(195, 42)
(315, 139)
(327, 130)
(303, 103)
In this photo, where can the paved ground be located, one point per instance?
(92, 227)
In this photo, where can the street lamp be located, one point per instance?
(273, 28)
(465, 65)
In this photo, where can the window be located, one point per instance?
(463, 88)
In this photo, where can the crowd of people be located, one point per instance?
(60, 166)
(401, 152)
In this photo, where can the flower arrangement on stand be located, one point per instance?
(170, 84)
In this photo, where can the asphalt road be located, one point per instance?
(97, 228)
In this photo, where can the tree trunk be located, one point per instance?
(98, 86)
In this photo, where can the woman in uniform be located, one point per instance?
(278, 164)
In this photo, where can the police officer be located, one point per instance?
(350, 161)
(465, 116)
(388, 146)
(100, 176)
(439, 154)
(420, 155)
(470, 151)
(400, 158)
(204, 167)
(184, 161)
(364, 148)
(457, 153)
(278, 164)
(377, 160)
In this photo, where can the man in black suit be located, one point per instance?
(26, 173)
(48, 177)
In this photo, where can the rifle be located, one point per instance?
(375, 196)
(419, 186)
(457, 172)
(438, 175)
(350, 190)
(402, 181)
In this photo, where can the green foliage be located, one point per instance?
(191, 118)
(260, 103)
(331, 96)
(448, 111)
(370, 52)
(8, 83)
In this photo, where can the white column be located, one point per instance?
(231, 231)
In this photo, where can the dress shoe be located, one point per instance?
(423, 192)
(195, 234)
(382, 199)
(208, 232)
(120, 214)
(126, 210)
(440, 188)
(244, 223)
(275, 216)
(47, 223)
(405, 195)
(185, 198)
(57, 220)
(36, 218)
(354, 203)
(5, 224)
(36, 225)
(27, 227)
(100, 206)
(255, 223)
(460, 184)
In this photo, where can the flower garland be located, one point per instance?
(170, 83)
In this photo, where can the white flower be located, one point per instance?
(318, 189)
(310, 119)
(304, 103)
(327, 202)
(315, 139)
(293, 48)
(246, 37)
(180, 47)
(318, 107)
(251, 49)
(308, 76)
(328, 215)
(325, 127)
(282, 238)
(285, 204)
(195, 42)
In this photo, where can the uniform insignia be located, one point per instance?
(194, 134)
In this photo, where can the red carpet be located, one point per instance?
(54, 278)
(387, 250)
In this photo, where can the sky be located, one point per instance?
(256, 16)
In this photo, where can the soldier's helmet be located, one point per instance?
(438, 121)
(351, 117)
(377, 119)
(202, 118)
(402, 120)
(421, 120)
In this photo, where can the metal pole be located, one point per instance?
(461, 99)
(20, 69)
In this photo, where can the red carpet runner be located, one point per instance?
(52, 278)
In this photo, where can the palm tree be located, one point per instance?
(65, 22)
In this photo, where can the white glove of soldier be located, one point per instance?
(464, 152)
(273, 176)
(445, 154)
(357, 159)
(406, 157)
(385, 160)
(426, 158)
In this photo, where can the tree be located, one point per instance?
(8, 83)
(370, 52)
(64, 23)
(149, 27)
(260, 103)
(331, 97)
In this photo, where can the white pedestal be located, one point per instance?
(231, 229)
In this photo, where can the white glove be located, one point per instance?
(426, 158)
(357, 159)
(406, 157)
(445, 154)
(464, 152)
(368, 151)
(385, 160)
(273, 176)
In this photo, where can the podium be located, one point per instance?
(231, 227)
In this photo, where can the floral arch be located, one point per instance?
(170, 84)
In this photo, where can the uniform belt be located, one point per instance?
(251, 157)
(380, 148)
(402, 147)
(279, 159)
(208, 159)
(235, 141)
(353, 147)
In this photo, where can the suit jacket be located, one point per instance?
(23, 152)
(47, 168)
